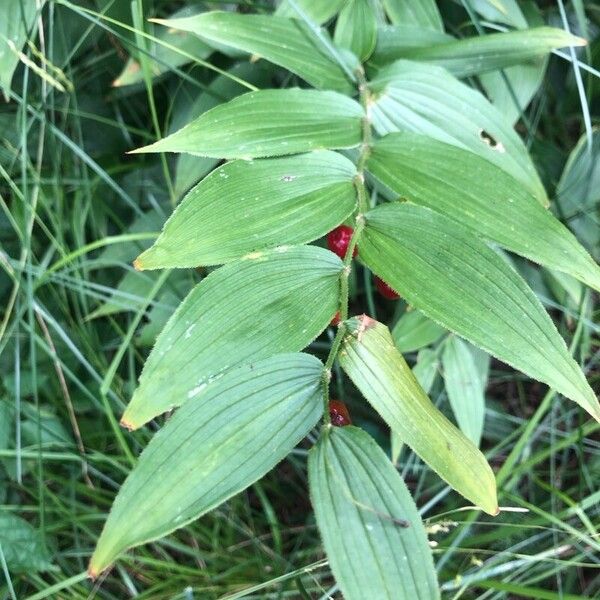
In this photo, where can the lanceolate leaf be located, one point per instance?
(394, 41)
(474, 55)
(372, 533)
(426, 368)
(500, 11)
(212, 448)
(356, 28)
(512, 89)
(289, 43)
(444, 270)
(423, 13)
(191, 169)
(318, 11)
(270, 303)
(427, 99)
(269, 123)
(475, 193)
(378, 370)
(578, 191)
(245, 206)
(414, 330)
(465, 388)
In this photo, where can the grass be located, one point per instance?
(76, 324)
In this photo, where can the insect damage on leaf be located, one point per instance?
(491, 141)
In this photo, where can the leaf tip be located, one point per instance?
(141, 150)
(126, 424)
(138, 265)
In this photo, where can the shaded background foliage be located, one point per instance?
(77, 322)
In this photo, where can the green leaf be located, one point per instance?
(22, 545)
(289, 43)
(247, 206)
(465, 388)
(414, 331)
(451, 275)
(371, 360)
(269, 123)
(474, 55)
(501, 11)
(427, 99)
(394, 41)
(426, 368)
(475, 193)
(269, 303)
(577, 192)
(373, 535)
(16, 19)
(425, 371)
(163, 59)
(191, 169)
(356, 28)
(213, 448)
(512, 89)
(318, 11)
(423, 13)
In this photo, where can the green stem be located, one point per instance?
(359, 225)
(335, 346)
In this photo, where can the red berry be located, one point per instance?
(385, 290)
(338, 240)
(336, 319)
(339, 414)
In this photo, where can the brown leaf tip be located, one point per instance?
(366, 322)
(126, 425)
(137, 264)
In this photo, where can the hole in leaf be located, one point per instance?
(491, 141)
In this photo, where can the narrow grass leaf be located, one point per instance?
(289, 43)
(373, 535)
(246, 206)
(213, 448)
(269, 123)
(379, 371)
(163, 59)
(16, 20)
(473, 192)
(263, 305)
(426, 99)
(451, 275)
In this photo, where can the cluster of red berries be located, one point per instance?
(338, 240)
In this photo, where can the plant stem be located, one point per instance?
(335, 346)
(359, 225)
